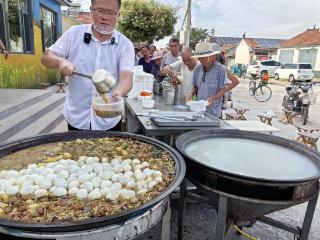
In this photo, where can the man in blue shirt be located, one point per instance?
(209, 79)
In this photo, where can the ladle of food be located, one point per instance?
(103, 80)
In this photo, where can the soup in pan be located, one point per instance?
(252, 158)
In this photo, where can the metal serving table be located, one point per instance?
(134, 110)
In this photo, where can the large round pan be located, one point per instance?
(190, 137)
(246, 185)
(15, 146)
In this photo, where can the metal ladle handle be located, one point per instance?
(82, 75)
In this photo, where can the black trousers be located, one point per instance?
(116, 128)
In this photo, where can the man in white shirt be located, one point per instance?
(87, 48)
(182, 72)
(173, 55)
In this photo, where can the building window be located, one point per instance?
(286, 56)
(19, 28)
(48, 27)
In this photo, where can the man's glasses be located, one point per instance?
(101, 12)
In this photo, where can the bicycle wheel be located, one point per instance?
(263, 93)
(251, 87)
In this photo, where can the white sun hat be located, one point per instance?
(205, 49)
(156, 55)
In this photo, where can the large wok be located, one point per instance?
(98, 221)
(248, 196)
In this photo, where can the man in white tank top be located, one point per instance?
(182, 72)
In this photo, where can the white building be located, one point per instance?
(303, 48)
(251, 49)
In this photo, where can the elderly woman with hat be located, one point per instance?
(156, 67)
(209, 78)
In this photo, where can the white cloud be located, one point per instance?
(258, 18)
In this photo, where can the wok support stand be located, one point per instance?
(224, 223)
(131, 229)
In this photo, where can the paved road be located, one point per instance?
(201, 219)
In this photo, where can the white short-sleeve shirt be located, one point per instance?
(112, 55)
(168, 58)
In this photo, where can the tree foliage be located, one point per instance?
(197, 35)
(146, 20)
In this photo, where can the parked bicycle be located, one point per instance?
(260, 91)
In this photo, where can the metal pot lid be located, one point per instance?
(251, 155)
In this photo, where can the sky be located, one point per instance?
(280, 19)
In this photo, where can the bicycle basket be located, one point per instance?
(264, 79)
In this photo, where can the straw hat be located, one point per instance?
(216, 47)
(156, 55)
(205, 49)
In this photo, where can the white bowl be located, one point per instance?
(148, 103)
(198, 106)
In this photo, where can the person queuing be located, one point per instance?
(173, 55)
(230, 78)
(156, 67)
(152, 49)
(136, 55)
(146, 61)
(182, 73)
(209, 79)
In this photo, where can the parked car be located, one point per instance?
(295, 72)
(259, 67)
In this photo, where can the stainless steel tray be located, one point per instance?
(206, 120)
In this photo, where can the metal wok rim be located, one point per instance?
(18, 145)
(253, 200)
(186, 138)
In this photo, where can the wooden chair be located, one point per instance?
(305, 129)
(61, 87)
(288, 116)
(310, 139)
(61, 84)
(266, 117)
(240, 111)
(44, 85)
(231, 116)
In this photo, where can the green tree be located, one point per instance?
(197, 35)
(146, 20)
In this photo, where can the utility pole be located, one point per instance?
(187, 22)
